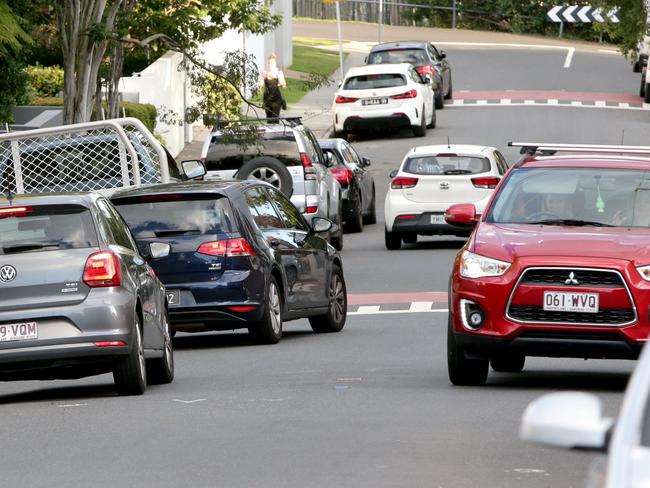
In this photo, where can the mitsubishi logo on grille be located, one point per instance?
(7, 273)
(571, 280)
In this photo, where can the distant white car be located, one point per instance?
(384, 96)
(430, 180)
(575, 420)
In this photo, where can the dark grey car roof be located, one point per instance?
(219, 187)
(330, 143)
(386, 46)
(85, 199)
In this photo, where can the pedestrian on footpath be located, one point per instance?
(270, 81)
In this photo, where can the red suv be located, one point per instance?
(558, 264)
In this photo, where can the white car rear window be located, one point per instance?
(369, 82)
(447, 165)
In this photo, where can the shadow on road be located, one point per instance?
(593, 381)
(382, 134)
(76, 392)
(228, 339)
(437, 244)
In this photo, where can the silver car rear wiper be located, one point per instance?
(28, 246)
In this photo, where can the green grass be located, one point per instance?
(313, 60)
(315, 42)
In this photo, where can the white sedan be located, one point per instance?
(383, 96)
(433, 178)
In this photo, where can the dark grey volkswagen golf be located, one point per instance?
(76, 297)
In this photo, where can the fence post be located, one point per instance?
(381, 19)
(453, 15)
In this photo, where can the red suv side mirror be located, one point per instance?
(461, 214)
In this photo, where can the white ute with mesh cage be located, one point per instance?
(97, 156)
(430, 180)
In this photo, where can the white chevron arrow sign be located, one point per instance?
(581, 13)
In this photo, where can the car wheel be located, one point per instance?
(130, 372)
(336, 240)
(420, 130)
(393, 240)
(508, 364)
(646, 95)
(450, 91)
(642, 87)
(334, 319)
(636, 67)
(356, 222)
(160, 371)
(269, 329)
(270, 170)
(371, 218)
(440, 100)
(432, 124)
(410, 238)
(463, 371)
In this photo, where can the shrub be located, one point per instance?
(144, 111)
(45, 81)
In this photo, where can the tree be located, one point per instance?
(632, 25)
(13, 80)
(12, 35)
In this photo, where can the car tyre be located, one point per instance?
(450, 91)
(371, 218)
(642, 87)
(160, 371)
(508, 364)
(270, 170)
(392, 240)
(130, 372)
(336, 240)
(410, 238)
(334, 319)
(269, 329)
(646, 94)
(636, 67)
(463, 371)
(420, 130)
(432, 124)
(356, 223)
(439, 100)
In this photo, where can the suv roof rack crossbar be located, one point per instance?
(550, 148)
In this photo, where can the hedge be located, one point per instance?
(45, 81)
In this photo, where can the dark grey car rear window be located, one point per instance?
(447, 165)
(414, 56)
(280, 145)
(47, 228)
(176, 215)
(368, 82)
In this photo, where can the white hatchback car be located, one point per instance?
(430, 180)
(383, 96)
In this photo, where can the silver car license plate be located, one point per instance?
(570, 302)
(374, 101)
(438, 219)
(18, 332)
(173, 297)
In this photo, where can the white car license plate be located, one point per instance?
(173, 297)
(374, 101)
(18, 332)
(570, 302)
(438, 219)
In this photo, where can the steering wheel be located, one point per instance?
(542, 216)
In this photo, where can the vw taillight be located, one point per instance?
(408, 94)
(342, 99)
(102, 270)
(229, 248)
(343, 175)
(308, 166)
(403, 182)
(489, 182)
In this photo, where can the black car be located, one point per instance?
(426, 59)
(242, 256)
(358, 186)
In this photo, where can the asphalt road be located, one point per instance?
(369, 407)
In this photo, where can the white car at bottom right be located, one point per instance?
(433, 178)
(574, 420)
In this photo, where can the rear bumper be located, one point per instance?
(422, 226)
(361, 123)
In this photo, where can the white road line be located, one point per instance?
(458, 102)
(420, 306)
(368, 309)
(66, 405)
(576, 103)
(624, 105)
(601, 103)
(646, 106)
(529, 102)
(553, 101)
(390, 312)
(505, 101)
(188, 401)
(481, 102)
(569, 57)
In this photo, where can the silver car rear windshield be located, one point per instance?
(176, 215)
(446, 165)
(46, 228)
(369, 82)
(574, 196)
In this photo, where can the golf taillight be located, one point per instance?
(227, 248)
(342, 99)
(489, 182)
(408, 94)
(427, 69)
(403, 182)
(102, 270)
(343, 175)
(308, 166)
(15, 212)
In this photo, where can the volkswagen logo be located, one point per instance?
(444, 185)
(571, 280)
(7, 273)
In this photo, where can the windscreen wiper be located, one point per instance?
(177, 232)
(457, 172)
(573, 222)
(26, 247)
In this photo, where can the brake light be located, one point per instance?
(110, 343)
(311, 210)
(308, 166)
(229, 248)
(427, 69)
(489, 182)
(447, 155)
(408, 94)
(242, 308)
(403, 182)
(407, 217)
(15, 212)
(342, 99)
(102, 270)
(160, 198)
(343, 175)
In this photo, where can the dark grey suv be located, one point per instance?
(76, 297)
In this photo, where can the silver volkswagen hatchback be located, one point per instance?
(76, 297)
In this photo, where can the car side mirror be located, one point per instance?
(427, 79)
(567, 419)
(320, 225)
(393, 174)
(159, 250)
(443, 55)
(329, 159)
(193, 168)
(461, 214)
(365, 161)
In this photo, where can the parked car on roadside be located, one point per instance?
(641, 60)
(242, 256)
(426, 59)
(76, 297)
(287, 156)
(383, 96)
(558, 264)
(357, 184)
(573, 420)
(429, 180)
